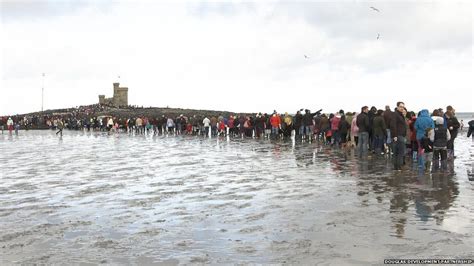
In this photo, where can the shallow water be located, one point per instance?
(99, 198)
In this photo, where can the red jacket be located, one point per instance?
(275, 121)
(411, 126)
(221, 125)
(335, 123)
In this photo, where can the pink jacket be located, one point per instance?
(354, 128)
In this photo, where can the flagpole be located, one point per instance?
(42, 95)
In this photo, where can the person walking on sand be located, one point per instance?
(354, 131)
(17, 127)
(379, 131)
(387, 116)
(10, 125)
(325, 128)
(363, 125)
(398, 128)
(344, 128)
(60, 127)
(213, 126)
(2, 123)
(371, 114)
(427, 150)
(470, 131)
(308, 125)
(452, 124)
(298, 125)
(259, 125)
(288, 124)
(440, 137)
(268, 126)
(139, 125)
(423, 122)
(110, 124)
(170, 125)
(231, 126)
(275, 122)
(206, 122)
(336, 120)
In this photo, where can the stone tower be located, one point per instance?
(120, 95)
(101, 99)
(120, 98)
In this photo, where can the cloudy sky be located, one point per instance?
(239, 56)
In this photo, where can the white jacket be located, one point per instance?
(206, 122)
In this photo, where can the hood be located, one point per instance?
(424, 113)
(439, 120)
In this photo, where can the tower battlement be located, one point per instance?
(119, 99)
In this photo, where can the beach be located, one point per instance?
(96, 197)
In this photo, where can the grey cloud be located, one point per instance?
(400, 22)
(409, 31)
(209, 8)
(12, 10)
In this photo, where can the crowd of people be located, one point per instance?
(425, 136)
(49, 119)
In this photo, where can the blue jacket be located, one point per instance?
(423, 122)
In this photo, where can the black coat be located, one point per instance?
(398, 126)
(362, 122)
(471, 128)
(344, 126)
(371, 116)
(453, 122)
(427, 144)
(379, 127)
(387, 116)
(308, 119)
(298, 120)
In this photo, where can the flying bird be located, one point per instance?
(305, 56)
(375, 9)
(378, 36)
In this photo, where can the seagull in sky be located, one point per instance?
(305, 56)
(375, 9)
(378, 36)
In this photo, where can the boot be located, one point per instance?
(450, 154)
(421, 162)
(427, 166)
(435, 166)
(444, 165)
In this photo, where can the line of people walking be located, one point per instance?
(426, 136)
(429, 138)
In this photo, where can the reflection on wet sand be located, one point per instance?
(99, 198)
(432, 193)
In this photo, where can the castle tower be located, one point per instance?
(116, 86)
(120, 98)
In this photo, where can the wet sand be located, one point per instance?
(119, 199)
